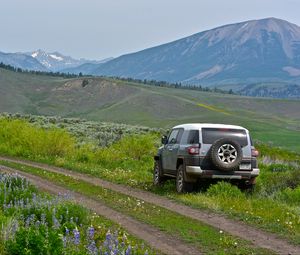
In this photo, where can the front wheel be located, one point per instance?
(158, 178)
(181, 185)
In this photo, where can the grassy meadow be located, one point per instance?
(272, 121)
(273, 206)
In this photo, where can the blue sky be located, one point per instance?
(97, 29)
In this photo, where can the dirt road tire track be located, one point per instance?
(156, 239)
(257, 237)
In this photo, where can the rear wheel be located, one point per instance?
(182, 186)
(158, 178)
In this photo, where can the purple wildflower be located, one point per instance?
(91, 232)
(56, 224)
(128, 250)
(92, 248)
(76, 236)
(43, 218)
(64, 239)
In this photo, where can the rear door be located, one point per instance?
(211, 135)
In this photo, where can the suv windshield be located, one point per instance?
(210, 135)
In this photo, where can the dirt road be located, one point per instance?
(155, 238)
(258, 237)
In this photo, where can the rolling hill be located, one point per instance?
(105, 99)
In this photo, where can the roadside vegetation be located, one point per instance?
(36, 223)
(273, 206)
(208, 239)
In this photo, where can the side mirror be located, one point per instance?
(164, 140)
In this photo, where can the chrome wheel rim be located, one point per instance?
(227, 153)
(180, 181)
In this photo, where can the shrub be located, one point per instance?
(136, 147)
(276, 178)
(38, 239)
(19, 138)
(224, 189)
(276, 153)
(290, 196)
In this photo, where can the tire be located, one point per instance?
(158, 178)
(181, 185)
(226, 154)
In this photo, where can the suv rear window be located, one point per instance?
(210, 135)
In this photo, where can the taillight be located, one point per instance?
(193, 150)
(254, 153)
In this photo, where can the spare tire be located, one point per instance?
(226, 154)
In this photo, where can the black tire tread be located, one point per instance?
(162, 178)
(187, 187)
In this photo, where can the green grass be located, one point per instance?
(265, 213)
(129, 161)
(104, 99)
(208, 239)
(56, 146)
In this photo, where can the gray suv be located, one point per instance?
(195, 152)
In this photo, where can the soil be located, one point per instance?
(155, 238)
(256, 236)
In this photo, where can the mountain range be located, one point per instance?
(252, 57)
(21, 60)
(40, 60)
(266, 50)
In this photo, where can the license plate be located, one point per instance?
(245, 166)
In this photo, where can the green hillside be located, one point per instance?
(105, 99)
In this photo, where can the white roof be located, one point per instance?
(207, 125)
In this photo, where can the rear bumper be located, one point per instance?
(196, 171)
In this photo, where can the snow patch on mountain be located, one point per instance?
(56, 57)
(292, 71)
(58, 62)
(34, 54)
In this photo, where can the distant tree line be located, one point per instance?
(176, 85)
(56, 74)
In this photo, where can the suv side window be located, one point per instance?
(190, 137)
(179, 136)
(193, 137)
(172, 136)
(175, 136)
